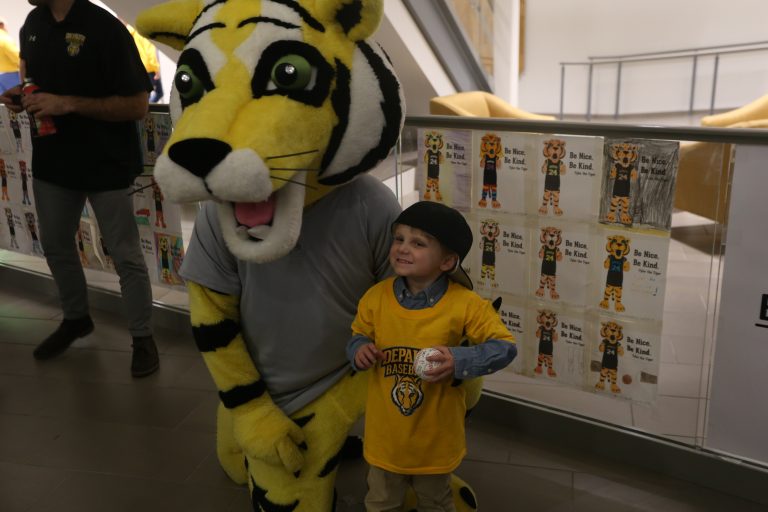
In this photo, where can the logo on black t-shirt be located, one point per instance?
(74, 42)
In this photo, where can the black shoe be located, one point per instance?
(145, 361)
(62, 338)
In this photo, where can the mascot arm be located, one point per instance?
(261, 428)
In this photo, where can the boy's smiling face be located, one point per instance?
(418, 257)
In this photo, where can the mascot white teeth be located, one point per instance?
(279, 107)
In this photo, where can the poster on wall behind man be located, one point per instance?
(7, 141)
(20, 232)
(155, 132)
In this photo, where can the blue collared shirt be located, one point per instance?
(473, 361)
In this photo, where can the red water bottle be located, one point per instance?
(41, 125)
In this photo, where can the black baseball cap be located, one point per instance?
(447, 225)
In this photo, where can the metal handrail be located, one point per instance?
(751, 136)
(690, 53)
(684, 50)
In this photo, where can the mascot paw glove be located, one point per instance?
(268, 434)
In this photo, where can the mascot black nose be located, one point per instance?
(199, 156)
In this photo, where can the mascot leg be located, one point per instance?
(326, 423)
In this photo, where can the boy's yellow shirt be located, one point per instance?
(413, 426)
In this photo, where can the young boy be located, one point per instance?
(414, 428)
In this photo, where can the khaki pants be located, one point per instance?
(386, 491)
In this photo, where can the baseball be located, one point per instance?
(421, 365)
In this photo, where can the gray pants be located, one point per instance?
(58, 212)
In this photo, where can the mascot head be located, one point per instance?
(273, 103)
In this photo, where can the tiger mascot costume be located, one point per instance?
(276, 103)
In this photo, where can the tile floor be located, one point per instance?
(78, 434)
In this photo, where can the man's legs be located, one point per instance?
(114, 212)
(58, 214)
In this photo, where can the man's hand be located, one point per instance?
(11, 99)
(45, 104)
(367, 355)
(446, 368)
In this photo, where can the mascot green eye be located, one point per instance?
(190, 88)
(292, 73)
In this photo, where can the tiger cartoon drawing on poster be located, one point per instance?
(433, 157)
(489, 245)
(616, 263)
(490, 158)
(279, 107)
(550, 254)
(552, 168)
(546, 332)
(610, 347)
(623, 172)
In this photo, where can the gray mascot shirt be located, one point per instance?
(296, 312)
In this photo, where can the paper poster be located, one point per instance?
(18, 175)
(85, 238)
(33, 230)
(155, 132)
(13, 231)
(444, 173)
(21, 138)
(632, 278)
(501, 167)
(569, 171)
(102, 252)
(151, 209)
(20, 231)
(639, 183)
(170, 252)
(560, 270)
(625, 359)
(7, 140)
(513, 312)
(571, 231)
(500, 256)
(555, 345)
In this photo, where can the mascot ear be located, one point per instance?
(358, 19)
(169, 23)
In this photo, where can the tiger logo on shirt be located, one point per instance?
(407, 394)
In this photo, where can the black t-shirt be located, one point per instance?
(91, 54)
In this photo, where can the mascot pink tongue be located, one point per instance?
(255, 214)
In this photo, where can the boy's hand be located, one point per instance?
(446, 368)
(367, 355)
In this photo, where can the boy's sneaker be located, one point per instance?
(69, 330)
(145, 360)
